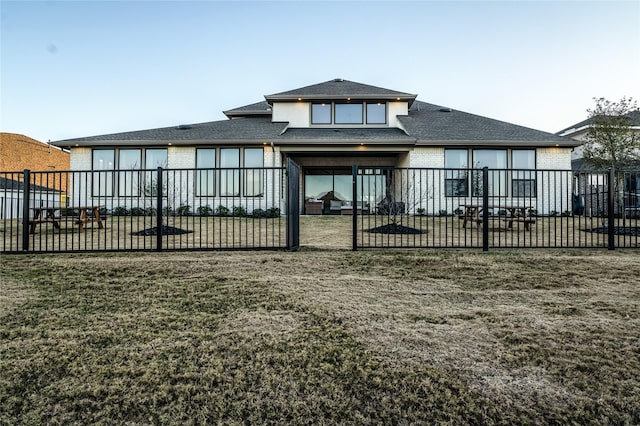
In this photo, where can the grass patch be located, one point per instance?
(320, 337)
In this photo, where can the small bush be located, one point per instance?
(458, 212)
(502, 212)
(205, 211)
(120, 211)
(183, 210)
(239, 211)
(421, 212)
(443, 213)
(137, 211)
(567, 213)
(221, 210)
(273, 212)
(258, 213)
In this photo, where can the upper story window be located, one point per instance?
(320, 113)
(354, 113)
(348, 114)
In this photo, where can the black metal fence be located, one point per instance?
(486, 208)
(258, 208)
(163, 209)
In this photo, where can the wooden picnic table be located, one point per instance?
(517, 213)
(47, 214)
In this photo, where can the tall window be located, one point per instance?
(230, 172)
(456, 183)
(493, 159)
(154, 158)
(523, 183)
(205, 179)
(129, 179)
(103, 159)
(253, 157)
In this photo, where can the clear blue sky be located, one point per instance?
(82, 68)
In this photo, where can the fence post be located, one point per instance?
(611, 214)
(354, 203)
(25, 209)
(159, 193)
(485, 209)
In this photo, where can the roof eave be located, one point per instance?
(500, 143)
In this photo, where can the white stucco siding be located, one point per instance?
(80, 159)
(179, 157)
(394, 110)
(298, 114)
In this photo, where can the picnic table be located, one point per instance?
(517, 213)
(47, 214)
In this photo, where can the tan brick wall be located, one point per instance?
(19, 152)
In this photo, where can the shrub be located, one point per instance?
(567, 213)
(183, 210)
(205, 211)
(532, 212)
(120, 211)
(258, 213)
(273, 212)
(137, 211)
(239, 211)
(443, 213)
(421, 212)
(502, 212)
(221, 210)
(458, 212)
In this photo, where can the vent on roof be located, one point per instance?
(445, 109)
(184, 127)
(338, 80)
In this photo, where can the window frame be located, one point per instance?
(457, 176)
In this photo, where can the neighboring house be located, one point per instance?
(579, 132)
(592, 187)
(326, 128)
(12, 195)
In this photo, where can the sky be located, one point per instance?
(82, 68)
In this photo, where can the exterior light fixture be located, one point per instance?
(299, 99)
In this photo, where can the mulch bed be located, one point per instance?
(393, 228)
(166, 230)
(632, 231)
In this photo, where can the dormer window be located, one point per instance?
(354, 113)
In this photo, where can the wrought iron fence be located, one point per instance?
(487, 208)
(162, 209)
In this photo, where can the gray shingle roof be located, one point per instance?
(339, 89)
(15, 185)
(259, 108)
(239, 129)
(634, 120)
(353, 135)
(434, 123)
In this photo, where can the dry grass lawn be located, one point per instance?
(321, 336)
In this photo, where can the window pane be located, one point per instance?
(155, 158)
(348, 114)
(523, 159)
(205, 182)
(253, 157)
(103, 159)
(128, 178)
(230, 179)
(376, 113)
(321, 114)
(493, 159)
(456, 182)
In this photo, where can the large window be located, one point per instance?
(493, 159)
(205, 179)
(103, 159)
(230, 172)
(131, 180)
(377, 113)
(373, 113)
(253, 163)
(348, 113)
(321, 114)
(523, 182)
(456, 183)
(522, 174)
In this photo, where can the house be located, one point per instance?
(580, 131)
(20, 152)
(592, 187)
(327, 128)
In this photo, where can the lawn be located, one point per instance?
(321, 336)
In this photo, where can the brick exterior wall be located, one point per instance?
(19, 152)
